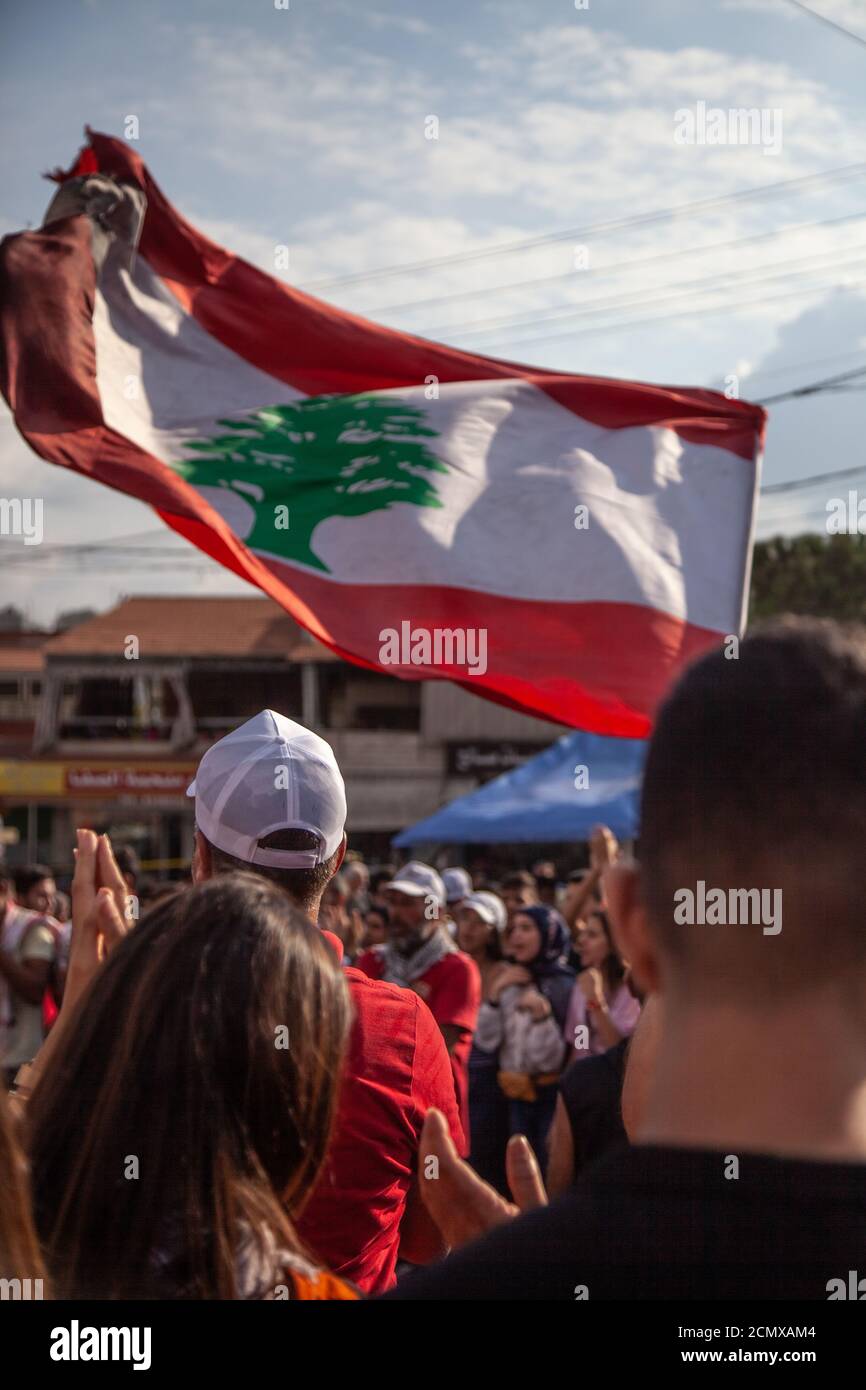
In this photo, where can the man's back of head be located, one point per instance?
(756, 780)
(270, 800)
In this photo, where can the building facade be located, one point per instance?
(103, 725)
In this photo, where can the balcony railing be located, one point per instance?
(93, 727)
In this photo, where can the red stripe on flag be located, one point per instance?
(603, 667)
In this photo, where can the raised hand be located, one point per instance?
(99, 915)
(459, 1201)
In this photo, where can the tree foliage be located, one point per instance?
(818, 575)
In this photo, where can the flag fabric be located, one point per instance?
(561, 544)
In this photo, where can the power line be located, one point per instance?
(831, 23)
(762, 372)
(814, 387)
(620, 327)
(637, 298)
(596, 273)
(844, 172)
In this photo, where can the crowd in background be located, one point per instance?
(522, 976)
(300, 1077)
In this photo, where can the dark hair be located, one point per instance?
(756, 778)
(383, 874)
(128, 861)
(304, 886)
(150, 891)
(613, 967)
(178, 1058)
(519, 878)
(20, 1256)
(27, 877)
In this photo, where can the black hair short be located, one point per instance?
(304, 886)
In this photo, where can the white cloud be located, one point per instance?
(381, 19)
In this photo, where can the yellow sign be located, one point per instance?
(31, 779)
(96, 779)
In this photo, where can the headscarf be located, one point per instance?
(551, 976)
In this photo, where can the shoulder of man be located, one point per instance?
(395, 1020)
(456, 973)
(36, 933)
(385, 1005)
(465, 963)
(370, 963)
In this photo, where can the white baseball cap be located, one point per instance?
(490, 908)
(458, 884)
(270, 774)
(417, 880)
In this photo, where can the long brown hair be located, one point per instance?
(20, 1256)
(613, 967)
(190, 1115)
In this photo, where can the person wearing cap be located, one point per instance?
(420, 954)
(270, 799)
(481, 921)
(458, 885)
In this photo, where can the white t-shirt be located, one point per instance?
(22, 1035)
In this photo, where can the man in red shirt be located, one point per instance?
(270, 800)
(420, 954)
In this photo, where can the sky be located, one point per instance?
(309, 125)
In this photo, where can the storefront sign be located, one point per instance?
(34, 780)
(481, 759)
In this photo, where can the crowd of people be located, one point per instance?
(300, 1076)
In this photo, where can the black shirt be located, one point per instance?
(591, 1090)
(659, 1223)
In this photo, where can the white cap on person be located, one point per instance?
(458, 884)
(490, 908)
(418, 880)
(270, 774)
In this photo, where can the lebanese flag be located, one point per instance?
(561, 544)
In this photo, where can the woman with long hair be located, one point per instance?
(602, 1010)
(20, 1256)
(177, 1135)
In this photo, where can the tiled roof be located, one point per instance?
(21, 660)
(194, 627)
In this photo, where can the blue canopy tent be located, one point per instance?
(581, 781)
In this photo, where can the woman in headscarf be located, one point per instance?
(523, 1017)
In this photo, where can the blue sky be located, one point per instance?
(306, 127)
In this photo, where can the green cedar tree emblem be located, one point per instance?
(325, 456)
